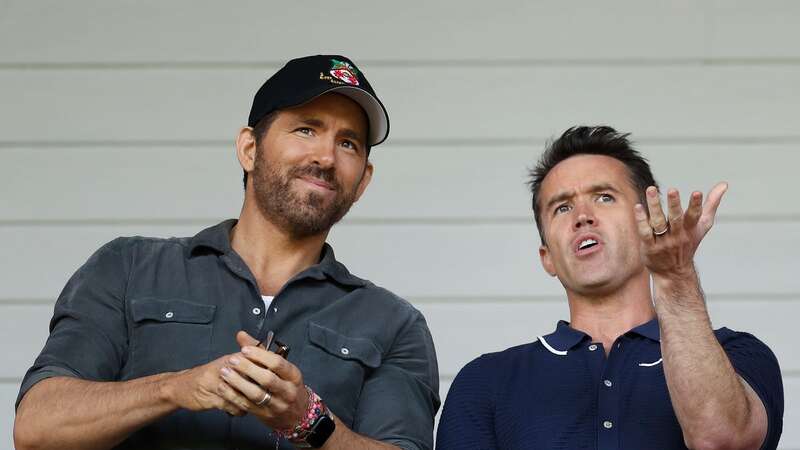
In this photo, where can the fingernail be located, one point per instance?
(234, 360)
(246, 350)
(225, 371)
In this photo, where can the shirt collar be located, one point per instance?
(649, 330)
(217, 239)
(565, 337)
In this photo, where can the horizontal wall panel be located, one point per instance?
(423, 260)
(253, 31)
(486, 325)
(753, 28)
(426, 104)
(446, 183)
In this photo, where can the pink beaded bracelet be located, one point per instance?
(315, 409)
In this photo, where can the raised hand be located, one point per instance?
(670, 242)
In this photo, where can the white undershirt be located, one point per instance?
(267, 300)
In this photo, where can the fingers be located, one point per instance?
(231, 401)
(251, 394)
(694, 210)
(643, 225)
(714, 199)
(252, 380)
(657, 220)
(242, 338)
(674, 207)
(277, 364)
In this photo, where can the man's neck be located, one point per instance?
(606, 317)
(271, 254)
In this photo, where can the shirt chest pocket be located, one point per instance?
(336, 366)
(169, 335)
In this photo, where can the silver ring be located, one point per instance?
(265, 401)
(662, 232)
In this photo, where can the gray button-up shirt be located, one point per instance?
(142, 306)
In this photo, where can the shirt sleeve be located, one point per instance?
(757, 365)
(400, 398)
(88, 331)
(467, 421)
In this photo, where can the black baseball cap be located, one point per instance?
(303, 79)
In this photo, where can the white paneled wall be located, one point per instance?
(118, 118)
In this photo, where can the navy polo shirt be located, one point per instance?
(562, 392)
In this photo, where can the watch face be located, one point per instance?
(323, 429)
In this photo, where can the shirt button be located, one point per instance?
(345, 351)
(608, 424)
(169, 315)
(592, 347)
(608, 383)
(275, 309)
(256, 311)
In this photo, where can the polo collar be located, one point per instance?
(564, 338)
(649, 330)
(217, 239)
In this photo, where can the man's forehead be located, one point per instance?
(327, 106)
(581, 172)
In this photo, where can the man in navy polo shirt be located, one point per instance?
(635, 368)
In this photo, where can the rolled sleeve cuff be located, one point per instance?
(41, 374)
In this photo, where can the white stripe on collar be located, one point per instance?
(551, 349)
(655, 363)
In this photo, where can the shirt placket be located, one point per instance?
(608, 400)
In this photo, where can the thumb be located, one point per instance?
(242, 338)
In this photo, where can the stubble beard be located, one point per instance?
(300, 215)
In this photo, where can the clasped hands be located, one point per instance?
(252, 381)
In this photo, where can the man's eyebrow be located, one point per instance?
(566, 195)
(311, 121)
(352, 134)
(558, 198)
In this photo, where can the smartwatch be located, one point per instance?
(321, 430)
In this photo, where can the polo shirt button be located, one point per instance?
(345, 351)
(256, 311)
(608, 424)
(608, 383)
(592, 347)
(169, 315)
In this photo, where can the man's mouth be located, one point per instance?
(586, 244)
(318, 182)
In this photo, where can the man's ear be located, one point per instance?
(246, 149)
(362, 186)
(547, 262)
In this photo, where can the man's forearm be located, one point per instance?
(709, 399)
(68, 413)
(345, 439)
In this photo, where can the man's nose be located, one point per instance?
(324, 153)
(585, 217)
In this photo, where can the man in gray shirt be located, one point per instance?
(126, 364)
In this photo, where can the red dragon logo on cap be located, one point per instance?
(344, 72)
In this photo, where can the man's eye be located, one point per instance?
(304, 130)
(349, 144)
(605, 198)
(560, 209)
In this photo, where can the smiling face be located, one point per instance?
(311, 165)
(592, 245)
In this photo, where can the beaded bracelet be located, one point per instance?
(315, 409)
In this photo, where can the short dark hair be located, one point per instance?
(594, 140)
(261, 128)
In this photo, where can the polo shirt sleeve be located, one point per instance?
(467, 421)
(757, 365)
(88, 337)
(400, 398)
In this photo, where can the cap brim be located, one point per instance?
(376, 113)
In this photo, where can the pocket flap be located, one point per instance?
(171, 310)
(345, 347)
